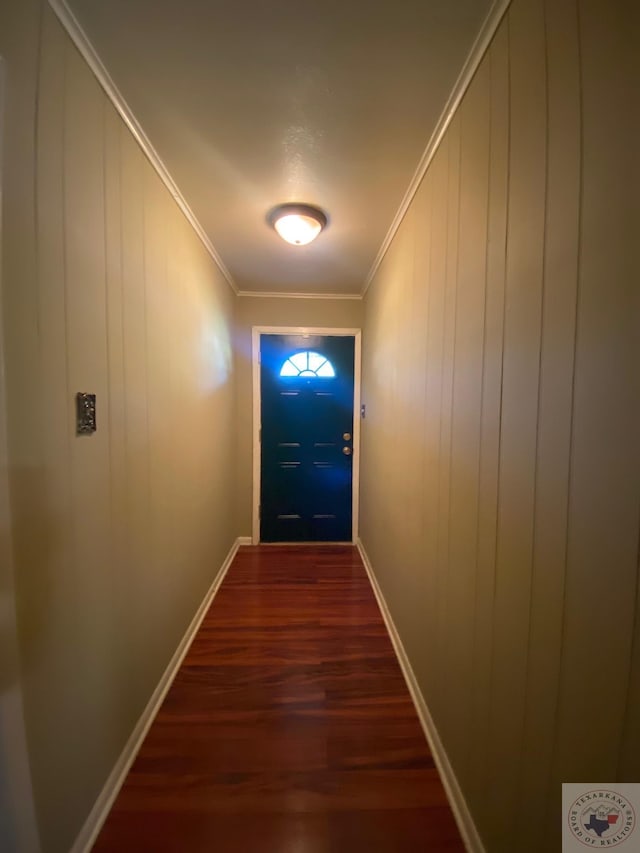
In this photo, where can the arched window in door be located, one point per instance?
(308, 364)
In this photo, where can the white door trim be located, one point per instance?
(256, 331)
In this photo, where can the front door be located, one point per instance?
(306, 392)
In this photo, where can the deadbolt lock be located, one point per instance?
(346, 451)
(346, 436)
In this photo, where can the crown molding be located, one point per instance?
(83, 44)
(283, 295)
(476, 54)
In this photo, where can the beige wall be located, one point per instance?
(499, 485)
(273, 311)
(117, 536)
(18, 831)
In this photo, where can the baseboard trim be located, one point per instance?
(466, 825)
(102, 806)
(245, 540)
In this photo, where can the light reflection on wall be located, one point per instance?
(215, 355)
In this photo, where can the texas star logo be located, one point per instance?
(601, 819)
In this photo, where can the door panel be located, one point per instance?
(306, 464)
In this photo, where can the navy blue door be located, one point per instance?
(307, 438)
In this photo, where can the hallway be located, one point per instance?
(465, 171)
(289, 726)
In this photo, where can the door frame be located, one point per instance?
(256, 332)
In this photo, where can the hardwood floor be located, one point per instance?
(289, 728)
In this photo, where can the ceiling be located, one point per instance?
(250, 103)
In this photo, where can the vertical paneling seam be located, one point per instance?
(125, 540)
(442, 352)
(436, 503)
(635, 650)
(428, 283)
(145, 267)
(571, 420)
(69, 400)
(507, 22)
(36, 177)
(456, 261)
(105, 196)
(484, 356)
(527, 708)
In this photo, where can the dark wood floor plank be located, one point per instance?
(288, 728)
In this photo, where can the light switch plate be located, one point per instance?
(85, 413)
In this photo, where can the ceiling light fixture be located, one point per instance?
(298, 224)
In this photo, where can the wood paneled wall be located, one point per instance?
(500, 480)
(117, 536)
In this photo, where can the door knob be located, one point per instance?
(346, 436)
(346, 451)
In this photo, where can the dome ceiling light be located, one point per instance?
(298, 224)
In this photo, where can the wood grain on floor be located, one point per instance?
(289, 727)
